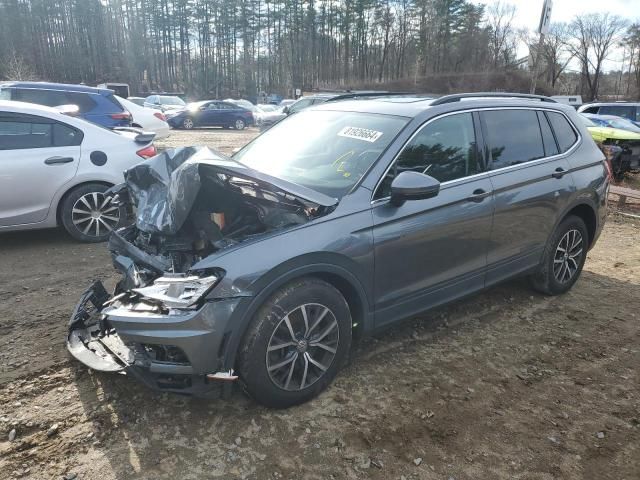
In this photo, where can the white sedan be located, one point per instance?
(56, 168)
(146, 118)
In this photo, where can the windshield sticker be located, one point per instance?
(360, 134)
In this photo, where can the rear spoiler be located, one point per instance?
(141, 137)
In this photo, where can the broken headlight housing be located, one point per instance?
(179, 291)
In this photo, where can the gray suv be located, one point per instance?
(345, 218)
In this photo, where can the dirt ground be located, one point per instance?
(506, 384)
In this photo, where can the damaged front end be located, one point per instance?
(159, 323)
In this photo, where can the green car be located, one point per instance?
(622, 159)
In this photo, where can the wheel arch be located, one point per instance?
(71, 189)
(587, 213)
(340, 278)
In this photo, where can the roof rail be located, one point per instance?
(353, 95)
(456, 97)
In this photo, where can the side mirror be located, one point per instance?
(285, 110)
(413, 186)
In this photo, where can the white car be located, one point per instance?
(56, 169)
(146, 118)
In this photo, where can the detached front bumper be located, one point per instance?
(180, 351)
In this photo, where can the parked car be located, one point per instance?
(308, 101)
(270, 118)
(286, 102)
(120, 89)
(240, 102)
(211, 113)
(164, 103)
(146, 118)
(628, 158)
(97, 105)
(612, 121)
(275, 260)
(56, 169)
(628, 110)
(137, 100)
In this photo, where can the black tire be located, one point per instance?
(239, 124)
(559, 271)
(72, 220)
(305, 379)
(188, 123)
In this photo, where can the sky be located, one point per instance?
(528, 15)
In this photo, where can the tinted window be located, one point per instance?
(82, 100)
(590, 110)
(514, 137)
(300, 104)
(50, 98)
(444, 149)
(626, 111)
(66, 136)
(550, 147)
(565, 135)
(22, 135)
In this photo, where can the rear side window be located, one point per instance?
(83, 100)
(514, 137)
(565, 134)
(21, 131)
(550, 146)
(50, 98)
(112, 100)
(590, 110)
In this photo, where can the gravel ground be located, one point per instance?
(506, 384)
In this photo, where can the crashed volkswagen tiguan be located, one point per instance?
(263, 268)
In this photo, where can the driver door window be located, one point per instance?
(444, 149)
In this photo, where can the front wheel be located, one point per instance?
(88, 215)
(563, 258)
(295, 344)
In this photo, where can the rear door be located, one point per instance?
(430, 251)
(37, 157)
(531, 184)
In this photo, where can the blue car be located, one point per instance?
(211, 113)
(97, 105)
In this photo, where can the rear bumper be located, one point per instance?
(177, 352)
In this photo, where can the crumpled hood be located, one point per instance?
(164, 188)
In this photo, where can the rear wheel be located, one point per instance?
(295, 344)
(563, 258)
(88, 215)
(239, 124)
(187, 123)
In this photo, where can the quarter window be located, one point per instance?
(514, 137)
(444, 149)
(550, 147)
(565, 134)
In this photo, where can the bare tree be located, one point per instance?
(17, 68)
(555, 52)
(502, 32)
(592, 38)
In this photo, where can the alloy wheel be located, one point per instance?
(566, 260)
(239, 125)
(93, 214)
(187, 123)
(302, 347)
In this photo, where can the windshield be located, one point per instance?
(172, 101)
(323, 150)
(623, 124)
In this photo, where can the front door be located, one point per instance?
(428, 252)
(37, 157)
(532, 183)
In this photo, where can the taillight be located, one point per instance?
(121, 116)
(147, 152)
(160, 116)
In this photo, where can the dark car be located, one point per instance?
(339, 221)
(211, 113)
(97, 105)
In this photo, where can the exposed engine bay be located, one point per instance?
(189, 203)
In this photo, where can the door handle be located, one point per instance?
(478, 195)
(558, 173)
(57, 160)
